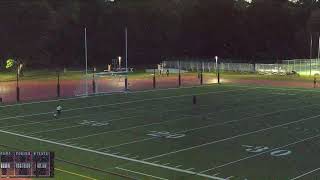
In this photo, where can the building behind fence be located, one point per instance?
(299, 66)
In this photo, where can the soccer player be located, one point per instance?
(59, 108)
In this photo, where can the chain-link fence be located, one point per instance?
(47, 84)
(299, 66)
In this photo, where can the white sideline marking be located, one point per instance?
(112, 155)
(135, 172)
(121, 103)
(271, 150)
(273, 88)
(131, 142)
(230, 177)
(60, 119)
(67, 110)
(233, 137)
(302, 175)
(57, 129)
(155, 90)
(190, 169)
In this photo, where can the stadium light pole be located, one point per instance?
(17, 88)
(58, 82)
(319, 48)
(217, 69)
(311, 45)
(86, 58)
(126, 43)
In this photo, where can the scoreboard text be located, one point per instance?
(26, 164)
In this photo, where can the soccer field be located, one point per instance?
(232, 132)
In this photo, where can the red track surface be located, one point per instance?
(32, 90)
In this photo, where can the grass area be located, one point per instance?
(235, 132)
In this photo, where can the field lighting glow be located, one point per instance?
(289, 0)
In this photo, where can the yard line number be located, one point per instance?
(260, 149)
(165, 134)
(94, 123)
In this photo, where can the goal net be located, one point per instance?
(100, 83)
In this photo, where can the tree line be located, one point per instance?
(47, 32)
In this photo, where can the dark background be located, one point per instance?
(51, 32)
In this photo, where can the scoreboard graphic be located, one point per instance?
(26, 164)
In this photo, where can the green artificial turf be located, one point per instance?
(236, 132)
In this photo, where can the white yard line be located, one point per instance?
(188, 116)
(60, 119)
(233, 137)
(210, 125)
(135, 172)
(57, 129)
(307, 173)
(46, 113)
(190, 169)
(112, 155)
(259, 154)
(127, 143)
(121, 103)
(125, 129)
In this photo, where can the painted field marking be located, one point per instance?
(136, 172)
(57, 129)
(119, 130)
(212, 125)
(167, 89)
(187, 116)
(233, 137)
(190, 169)
(118, 145)
(165, 164)
(67, 110)
(112, 155)
(55, 120)
(76, 174)
(70, 117)
(307, 173)
(178, 166)
(230, 177)
(121, 103)
(256, 155)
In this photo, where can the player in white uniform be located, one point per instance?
(59, 109)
